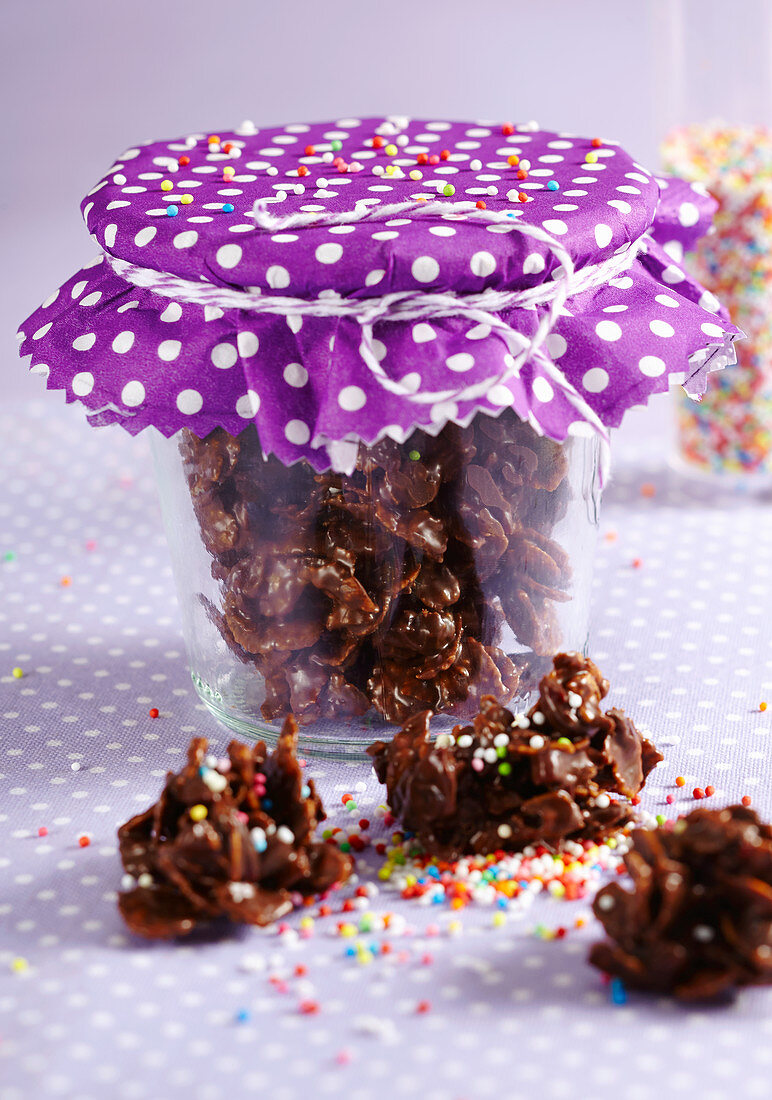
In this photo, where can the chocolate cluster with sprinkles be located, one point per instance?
(392, 588)
(508, 781)
(698, 921)
(228, 837)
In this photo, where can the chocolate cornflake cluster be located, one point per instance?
(508, 781)
(228, 837)
(698, 922)
(390, 587)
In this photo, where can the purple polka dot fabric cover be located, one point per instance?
(137, 357)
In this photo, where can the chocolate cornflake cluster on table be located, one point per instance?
(228, 837)
(698, 922)
(508, 781)
(390, 587)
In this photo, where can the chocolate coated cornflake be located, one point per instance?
(505, 782)
(227, 837)
(698, 922)
(389, 588)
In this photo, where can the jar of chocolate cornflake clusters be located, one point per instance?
(381, 359)
(434, 571)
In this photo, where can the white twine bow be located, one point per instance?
(485, 307)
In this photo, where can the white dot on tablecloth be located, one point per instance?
(229, 256)
(329, 252)
(595, 380)
(533, 264)
(672, 274)
(442, 230)
(500, 396)
(422, 333)
(297, 432)
(373, 277)
(248, 405)
(711, 329)
(460, 362)
(479, 332)
(661, 328)
(40, 333)
(91, 299)
(133, 394)
(189, 402)
(295, 374)
(652, 366)
(84, 342)
(83, 384)
(123, 342)
(555, 226)
(675, 250)
(411, 382)
(608, 330)
(168, 350)
(688, 214)
(482, 264)
(604, 235)
(172, 313)
(556, 345)
(352, 398)
(145, 236)
(710, 302)
(277, 277)
(542, 390)
(224, 355)
(425, 269)
(443, 411)
(248, 344)
(110, 233)
(186, 239)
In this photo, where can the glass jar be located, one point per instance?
(715, 124)
(439, 569)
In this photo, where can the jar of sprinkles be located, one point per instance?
(380, 359)
(729, 433)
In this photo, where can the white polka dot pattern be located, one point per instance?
(100, 1013)
(136, 350)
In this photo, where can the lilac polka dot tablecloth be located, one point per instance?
(460, 1006)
